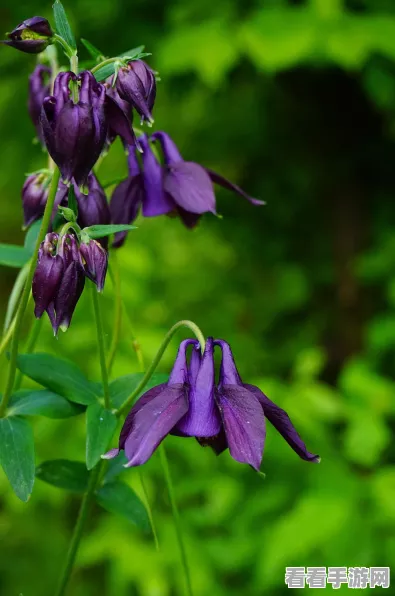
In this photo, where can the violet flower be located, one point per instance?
(95, 261)
(31, 36)
(39, 88)
(228, 415)
(136, 84)
(34, 198)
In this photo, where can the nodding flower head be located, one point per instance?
(136, 85)
(74, 124)
(39, 88)
(34, 197)
(95, 260)
(31, 36)
(227, 414)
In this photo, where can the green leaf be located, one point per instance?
(15, 295)
(100, 231)
(134, 52)
(117, 497)
(104, 72)
(17, 455)
(13, 256)
(100, 427)
(58, 375)
(72, 201)
(115, 467)
(64, 473)
(42, 402)
(93, 50)
(121, 388)
(62, 25)
(31, 236)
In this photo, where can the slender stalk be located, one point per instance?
(104, 63)
(79, 529)
(26, 292)
(176, 516)
(15, 294)
(29, 348)
(117, 324)
(8, 336)
(100, 342)
(151, 369)
(148, 507)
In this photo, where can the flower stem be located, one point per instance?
(199, 335)
(100, 342)
(15, 295)
(148, 507)
(26, 292)
(117, 325)
(176, 516)
(104, 63)
(79, 528)
(30, 344)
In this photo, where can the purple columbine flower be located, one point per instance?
(34, 197)
(228, 415)
(59, 280)
(31, 36)
(75, 133)
(39, 88)
(95, 259)
(136, 84)
(122, 117)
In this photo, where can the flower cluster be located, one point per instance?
(59, 279)
(228, 414)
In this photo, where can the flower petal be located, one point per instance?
(170, 152)
(244, 424)
(155, 201)
(218, 179)
(190, 187)
(153, 421)
(281, 421)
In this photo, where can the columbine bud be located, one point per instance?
(38, 89)
(93, 208)
(32, 36)
(47, 277)
(96, 260)
(136, 84)
(34, 198)
(72, 284)
(75, 133)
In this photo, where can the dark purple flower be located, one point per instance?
(75, 132)
(120, 117)
(93, 208)
(231, 414)
(31, 36)
(34, 197)
(95, 259)
(58, 280)
(39, 88)
(136, 84)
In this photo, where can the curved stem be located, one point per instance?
(26, 292)
(193, 327)
(14, 296)
(67, 49)
(176, 516)
(78, 529)
(104, 63)
(100, 342)
(30, 345)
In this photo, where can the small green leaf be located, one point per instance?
(121, 388)
(100, 427)
(42, 402)
(58, 375)
(115, 467)
(72, 201)
(31, 236)
(64, 473)
(67, 213)
(62, 24)
(104, 72)
(17, 455)
(134, 52)
(100, 231)
(93, 50)
(117, 497)
(13, 256)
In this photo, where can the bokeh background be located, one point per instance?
(295, 101)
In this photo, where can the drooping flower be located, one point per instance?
(34, 197)
(39, 89)
(136, 85)
(31, 36)
(75, 132)
(121, 120)
(59, 279)
(228, 415)
(177, 187)
(95, 261)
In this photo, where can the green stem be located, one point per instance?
(78, 529)
(176, 516)
(193, 327)
(15, 294)
(26, 292)
(104, 63)
(30, 345)
(100, 342)
(148, 507)
(117, 325)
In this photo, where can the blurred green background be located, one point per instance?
(294, 101)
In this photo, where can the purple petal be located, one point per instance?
(125, 204)
(111, 454)
(190, 187)
(180, 373)
(141, 402)
(155, 201)
(244, 424)
(69, 292)
(119, 122)
(190, 220)
(281, 421)
(92, 208)
(228, 374)
(152, 422)
(218, 179)
(46, 281)
(218, 444)
(169, 148)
